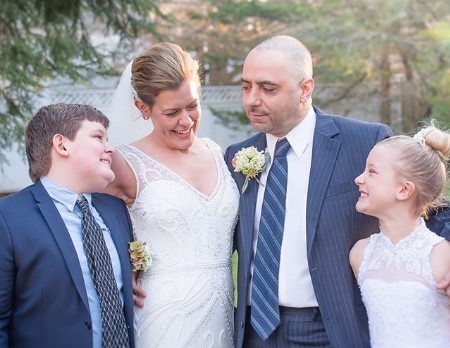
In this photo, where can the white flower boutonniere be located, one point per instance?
(140, 256)
(250, 162)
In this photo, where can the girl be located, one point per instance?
(397, 269)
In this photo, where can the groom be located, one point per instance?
(300, 291)
(65, 274)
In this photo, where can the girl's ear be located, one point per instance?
(59, 146)
(406, 190)
(143, 108)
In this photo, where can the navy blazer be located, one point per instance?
(340, 148)
(43, 301)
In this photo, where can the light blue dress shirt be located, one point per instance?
(65, 200)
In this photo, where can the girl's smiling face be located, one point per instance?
(379, 183)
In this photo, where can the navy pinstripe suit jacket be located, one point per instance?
(340, 149)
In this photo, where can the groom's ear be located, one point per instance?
(306, 89)
(143, 108)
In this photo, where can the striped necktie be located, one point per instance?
(265, 315)
(114, 328)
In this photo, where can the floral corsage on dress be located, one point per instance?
(140, 257)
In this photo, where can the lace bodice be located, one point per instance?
(399, 292)
(189, 286)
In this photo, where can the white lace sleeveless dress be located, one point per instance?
(189, 285)
(399, 292)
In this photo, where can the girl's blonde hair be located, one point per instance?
(422, 159)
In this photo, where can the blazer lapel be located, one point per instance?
(247, 202)
(324, 153)
(62, 237)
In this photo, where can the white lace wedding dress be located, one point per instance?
(189, 285)
(399, 292)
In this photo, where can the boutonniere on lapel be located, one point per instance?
(140, 256)
(250, 162)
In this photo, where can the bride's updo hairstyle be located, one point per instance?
(422, 159)
(165, 66)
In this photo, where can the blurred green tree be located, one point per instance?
(397, 51)
(47, 39)
(402, 46)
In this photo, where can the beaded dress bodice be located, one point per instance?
(189, 285)
(399, 291)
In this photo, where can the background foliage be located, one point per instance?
(42, 40)
(396, 50)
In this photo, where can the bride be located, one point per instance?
(183, 203)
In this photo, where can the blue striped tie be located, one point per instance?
(265, 315)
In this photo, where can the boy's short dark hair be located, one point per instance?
(64, 119)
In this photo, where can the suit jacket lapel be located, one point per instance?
(247, 202)
(324, 153)
(62, 237)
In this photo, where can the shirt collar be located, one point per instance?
(299, 137)
(62, 194)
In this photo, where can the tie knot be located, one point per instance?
(83, 204)
(282, 147)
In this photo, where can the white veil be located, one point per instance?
(126, 122)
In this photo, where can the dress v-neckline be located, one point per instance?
(183, 180)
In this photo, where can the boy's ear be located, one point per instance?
(406, 190)
(59, 145)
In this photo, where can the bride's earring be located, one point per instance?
(144, 109)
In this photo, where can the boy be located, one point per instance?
(65, 274)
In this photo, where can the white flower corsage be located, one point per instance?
(250, 162)
(140, 256)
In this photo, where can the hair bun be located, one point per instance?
(435, 138)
